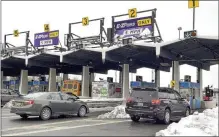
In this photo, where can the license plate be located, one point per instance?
(140, 104)
(18, 104)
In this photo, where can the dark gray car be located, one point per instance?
(48, 104)
(161, 104)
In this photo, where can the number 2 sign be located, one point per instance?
(132, 13)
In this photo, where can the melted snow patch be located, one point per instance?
(118, 112)
(198, 124)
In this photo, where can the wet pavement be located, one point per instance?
(13, 125)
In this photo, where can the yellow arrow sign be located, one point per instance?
(132, 13)
(172, 83)
(46, 28)
(193, 3)
(16, 33)
(85, 21)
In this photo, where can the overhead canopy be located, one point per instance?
(138, 56)
(15, 62)
(93, 58)
(197, 51)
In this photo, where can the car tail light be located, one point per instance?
(30, 102)
(129, 100)
(155, 102)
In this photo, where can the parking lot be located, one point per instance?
(13, 125)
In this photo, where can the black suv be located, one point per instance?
(161, 104)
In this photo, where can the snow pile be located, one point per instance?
(118, 112)
(8, 104)
(101, 109)
(198, 124)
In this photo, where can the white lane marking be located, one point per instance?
(9, 117)
(48, 124)
(62, 128)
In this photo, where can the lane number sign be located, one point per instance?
(46, 28)
(132, 13)
(85, 21)
(16, 33)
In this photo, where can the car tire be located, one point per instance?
(45, 113)
(167, 116)
(82, 111)
(135, 118)
(187, 112)
(24, 116)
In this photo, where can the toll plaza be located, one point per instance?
(126, 46)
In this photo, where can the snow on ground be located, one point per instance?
(198, 124)
(101, 109)
(118, 112)
(8, 105)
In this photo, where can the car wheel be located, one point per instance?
(82, 111)
(45, 113)
(24, 116)
(167, 116)
(135, 118)
(187, 113)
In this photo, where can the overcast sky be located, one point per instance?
(170, 15)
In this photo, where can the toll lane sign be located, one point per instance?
(189, 34)
(46, 38)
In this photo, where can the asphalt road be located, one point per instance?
(13, 125)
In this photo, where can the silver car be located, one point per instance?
(48, 104)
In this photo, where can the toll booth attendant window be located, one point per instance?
(69, 86)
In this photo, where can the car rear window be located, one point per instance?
(145, 94)
(35, 95)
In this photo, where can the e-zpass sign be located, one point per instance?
(46, 38)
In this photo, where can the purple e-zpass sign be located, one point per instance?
(133, 27)
(46, 38)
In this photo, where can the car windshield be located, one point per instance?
(35, 95)
(145, 94)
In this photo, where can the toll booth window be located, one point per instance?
(65, 85)
(69, 86)
(75, 86)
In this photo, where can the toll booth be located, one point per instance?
(14, 84)
(105, 89)
(41, 86)
(142, 84)
(6, 84)
(191, 91)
